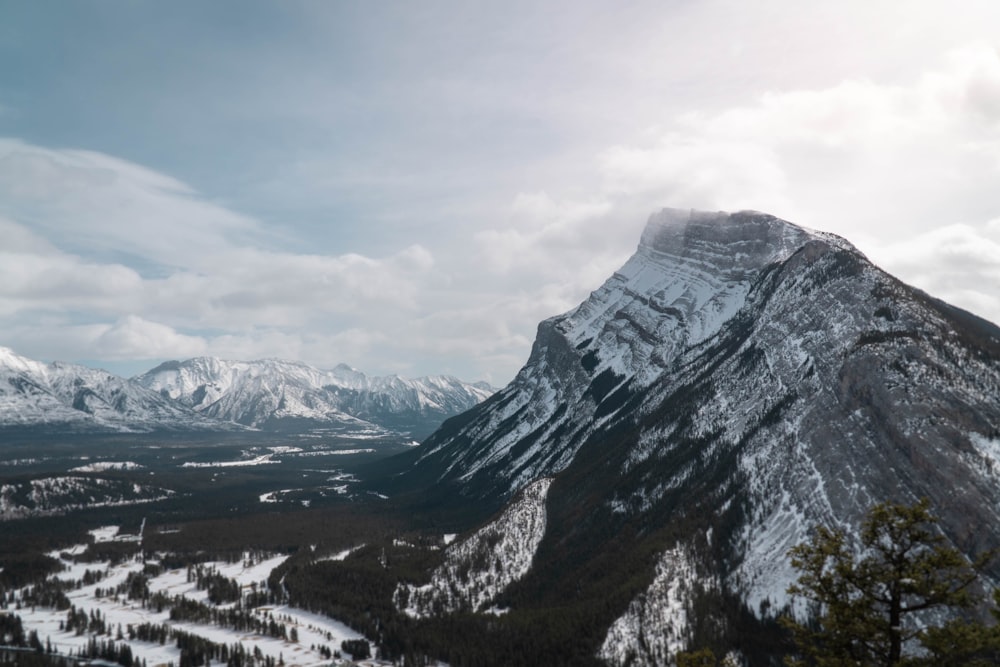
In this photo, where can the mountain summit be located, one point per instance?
(737, 381)
(691, 276)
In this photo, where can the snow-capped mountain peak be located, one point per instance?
(33, 393)
(267, 392)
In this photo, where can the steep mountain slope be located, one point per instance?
(737, 381)
(271, 393)
(36, 394)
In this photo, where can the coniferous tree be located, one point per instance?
(702, 658)
(866, 598)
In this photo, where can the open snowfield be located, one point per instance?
(313, 630)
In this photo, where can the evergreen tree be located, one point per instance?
(702, 658)
(865, 599)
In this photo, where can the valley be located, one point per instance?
(81, 531)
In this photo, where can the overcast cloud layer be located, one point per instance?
(411, 187)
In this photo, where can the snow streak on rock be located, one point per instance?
(655, 627)
(480, 567)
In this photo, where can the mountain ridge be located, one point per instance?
(60, 394)
(739, 380)
(206, 393)
(266, 392)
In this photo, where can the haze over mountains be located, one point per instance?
(737, 381)
(208, 393)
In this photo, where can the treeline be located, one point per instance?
(47, 593)
(358, 591)
(236, 618)
(197, 651)
(12, 630)
(329, 529)
(221, 589)
(21, 569)
(559, 614)
(13, 636)
(81, 622)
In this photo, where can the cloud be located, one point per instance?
(133, 337)
(885, 165)
(93, 201)
(36, 277)
(101, 256)
(958, 263)
(103, 259)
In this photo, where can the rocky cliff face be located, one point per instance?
(737, 381)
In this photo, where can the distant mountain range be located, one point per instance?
(739, 380)
(274, 394)
(76, 398)
(207, 393)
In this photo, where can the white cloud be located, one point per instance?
(107, 260)
(42, 279)
(885, 165)
(87, 199)
(133, 337)
(957, 263)
(101, 256)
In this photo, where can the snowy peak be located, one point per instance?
(690, 277)
(33, 393)
(690, 274)
(270, 393)
(210, 393)
(731, 244)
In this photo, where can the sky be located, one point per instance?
(410, 187)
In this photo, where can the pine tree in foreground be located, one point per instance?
(866, 600)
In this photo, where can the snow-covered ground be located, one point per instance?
(49, 496)
(263, 459)
(313, 630)
(102, 466)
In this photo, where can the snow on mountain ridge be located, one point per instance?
(690, 274)
(255, 393)
(741, 374)
(34, 393)
(657, 624)
(682, 285)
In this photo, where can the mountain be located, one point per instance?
(739, 380)
(67, 396)
(276, 394)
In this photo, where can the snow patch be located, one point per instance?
(656, 625)
(263, 459)
(480, 567)
(102, 466)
